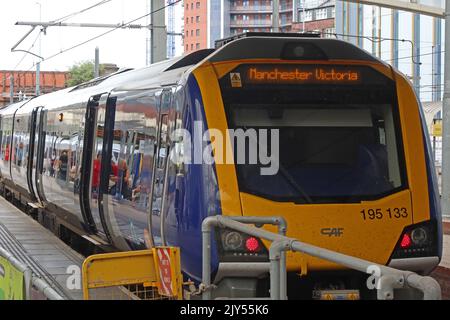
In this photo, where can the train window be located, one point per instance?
(62, 157)
(177, 150)
(6, 144)
(160, 167)
(63, 160)
(339, 148)
(131, 168)
(19, 154)
(161, 170)
(96, 165)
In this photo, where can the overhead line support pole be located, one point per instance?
(445, 198)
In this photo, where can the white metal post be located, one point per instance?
(11, 88)
(97, 63)
(445, 199)
(304, 16)
(38, 78)
(276, 16)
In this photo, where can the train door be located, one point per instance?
(158, 193)
(127, 159)
(90, 165)
(101, 165)
(31, 156)
(38, 141)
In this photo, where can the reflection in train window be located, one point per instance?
(160, 167)
(6, 145)
(19, 154)
(62, 157)
(131, 165)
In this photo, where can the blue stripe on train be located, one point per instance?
(433, 189)
(200, 192)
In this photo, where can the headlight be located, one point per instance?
(232, 241)
(419, 236)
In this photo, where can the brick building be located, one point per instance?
(256, 16)
(206, 21)
(195, 25)
(25, 83)
(317, 16)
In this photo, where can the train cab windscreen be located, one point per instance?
(337, 132)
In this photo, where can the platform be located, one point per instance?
(35, 246)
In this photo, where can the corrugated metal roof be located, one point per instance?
(430, 110)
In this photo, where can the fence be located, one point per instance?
(17, 281)
(153, 274)
(388, 279)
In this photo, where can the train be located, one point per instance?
(315, 130)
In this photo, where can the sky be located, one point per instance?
(124, 47)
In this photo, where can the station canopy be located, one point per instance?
(434, 8)
(431, 109)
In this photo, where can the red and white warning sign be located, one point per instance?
(165, 272)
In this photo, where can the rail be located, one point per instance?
(22, 281)
(388, 278)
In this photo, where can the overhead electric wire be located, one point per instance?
(108, 32)
(58, 21)
(381, 39)
(80, 12)
(419, 55)
(26, 53)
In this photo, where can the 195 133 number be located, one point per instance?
(389, 213)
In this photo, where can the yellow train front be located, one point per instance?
(325, 135)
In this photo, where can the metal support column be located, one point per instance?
(276, 16)
(395, 17)
(445, 198)
(97, 63)
(38, 79)
(11, 88)
(437, 60)
(416, 65)
(374, 31)
(360, 31)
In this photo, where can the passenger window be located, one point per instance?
(6, 145)
(132, 171)
(98, 146)
(6, 141)
(160, 167)
(132, 159)
(20, 144)
(63, 160)
(63, 134)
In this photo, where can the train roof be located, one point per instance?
(170, 72)
(157, 75)
(288, 47)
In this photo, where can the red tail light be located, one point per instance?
(406, 241)
(418, 240)
(235, 246)
(252, 244)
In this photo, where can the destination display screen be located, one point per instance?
(302, 74)
(260, 74)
